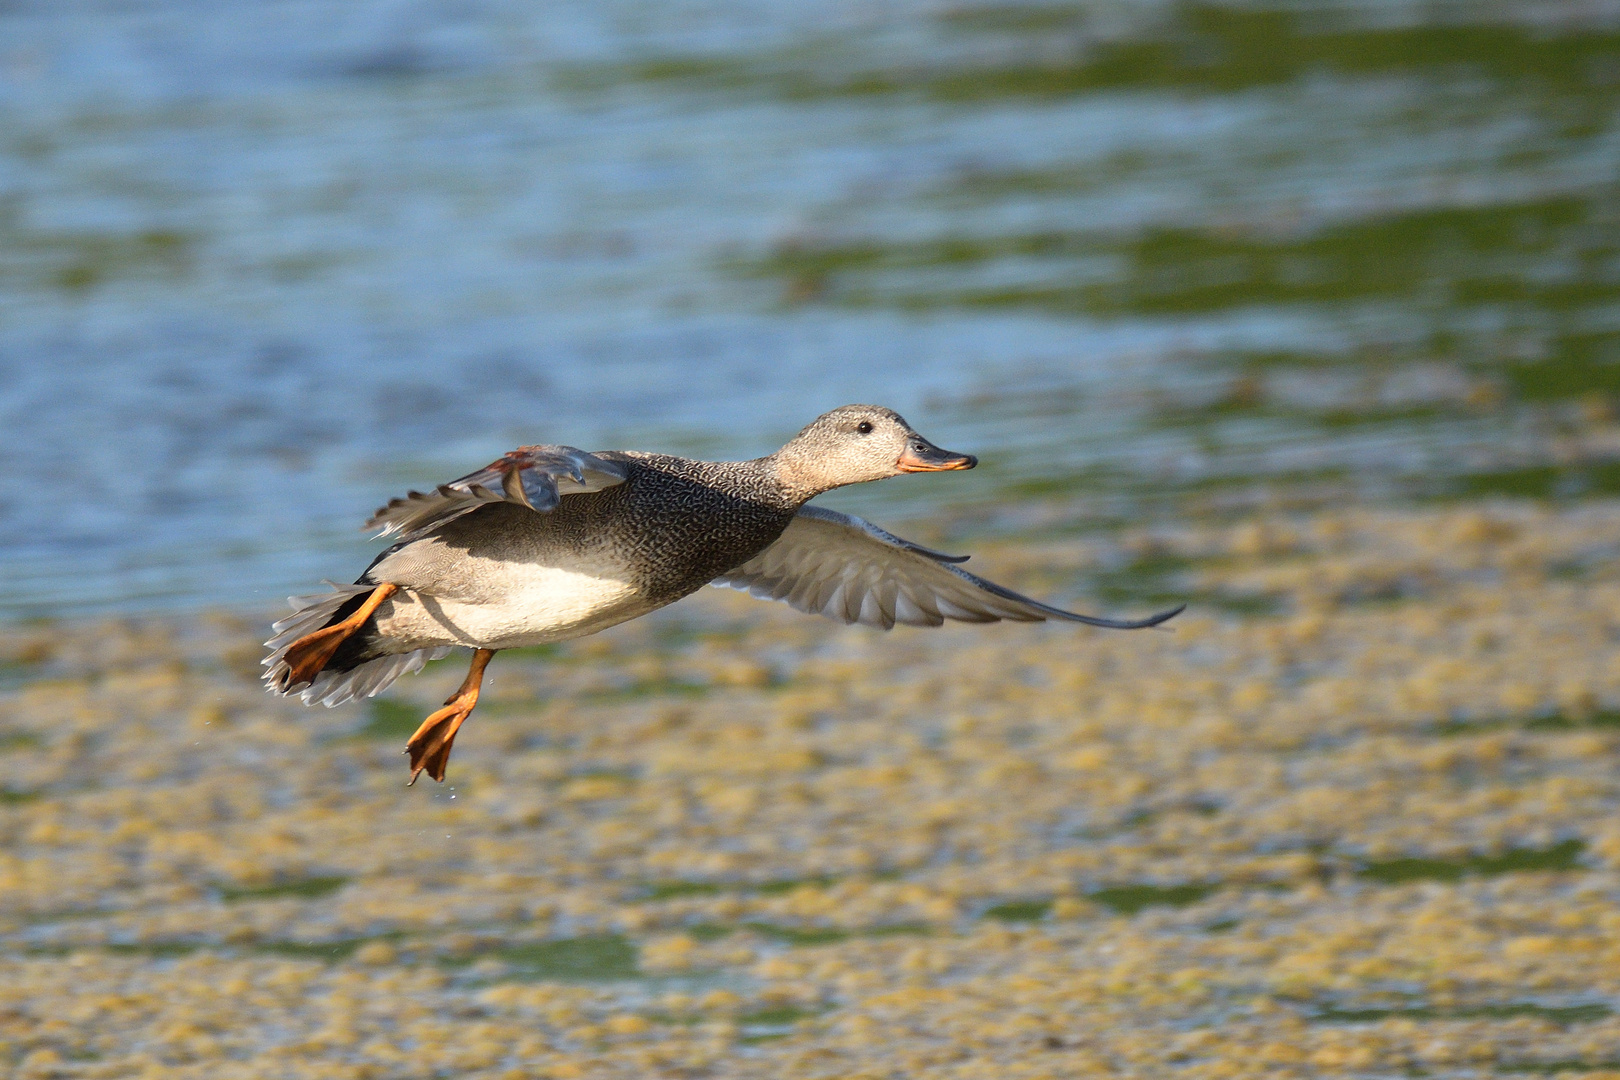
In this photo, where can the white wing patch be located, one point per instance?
(827, 563)
(533, 476)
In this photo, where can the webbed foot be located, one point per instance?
(308, 656)
(430, 746)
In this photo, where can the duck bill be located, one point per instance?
(923, 456)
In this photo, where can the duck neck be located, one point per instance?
(793, 485)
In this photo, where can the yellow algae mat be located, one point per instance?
(1357, 816)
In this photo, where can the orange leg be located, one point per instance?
(430, 746)
(310, 654)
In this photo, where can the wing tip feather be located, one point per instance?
(817, 579)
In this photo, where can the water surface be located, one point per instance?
(263, 266)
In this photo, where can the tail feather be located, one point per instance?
(368, 679)
(310, 613)
(330, 687)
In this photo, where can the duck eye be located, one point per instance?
(864, 427)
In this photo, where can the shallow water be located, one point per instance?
(264, 266)
(1375, 833)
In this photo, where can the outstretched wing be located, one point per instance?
(827, 563)
(533, 476)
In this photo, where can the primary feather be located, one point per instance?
(838, 565)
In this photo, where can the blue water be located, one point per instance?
(264, 265)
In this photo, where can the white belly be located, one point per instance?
(503, 605)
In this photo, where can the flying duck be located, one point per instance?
(550, 543)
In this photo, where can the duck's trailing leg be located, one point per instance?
(310, 654)
(430, 746)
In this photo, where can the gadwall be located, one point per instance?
(551, 543)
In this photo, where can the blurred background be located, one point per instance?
(1304, 313)
(264, 265)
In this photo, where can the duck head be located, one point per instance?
(858, 443)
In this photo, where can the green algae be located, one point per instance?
(1566, 722)
(1120, 899)
(806, 935)
(20, 740)
(1165, 578)
(1135, 898)
(645, 689)
(1562, 1015)
(1196, 48)
(1130, 496)
(1019, 910)
(590, 958)
(1550, 251)
(76, 262)
(168, 950)
(1247, 403)
(547, 652)
(779, 886)
(309, 888)
(340, 949)
(792, 935)
(775, 1022)
(1131, 899)
(799, 935)
(675, 888)
(1552, 1068)
(391, 721)
(585, 959)
(671, 890)
(156, 950)
(672, 1019)
(1550, 722)
(1575, 363)
(897, 929)
(780, 1014)
(1560, 857)
(1542, 482)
